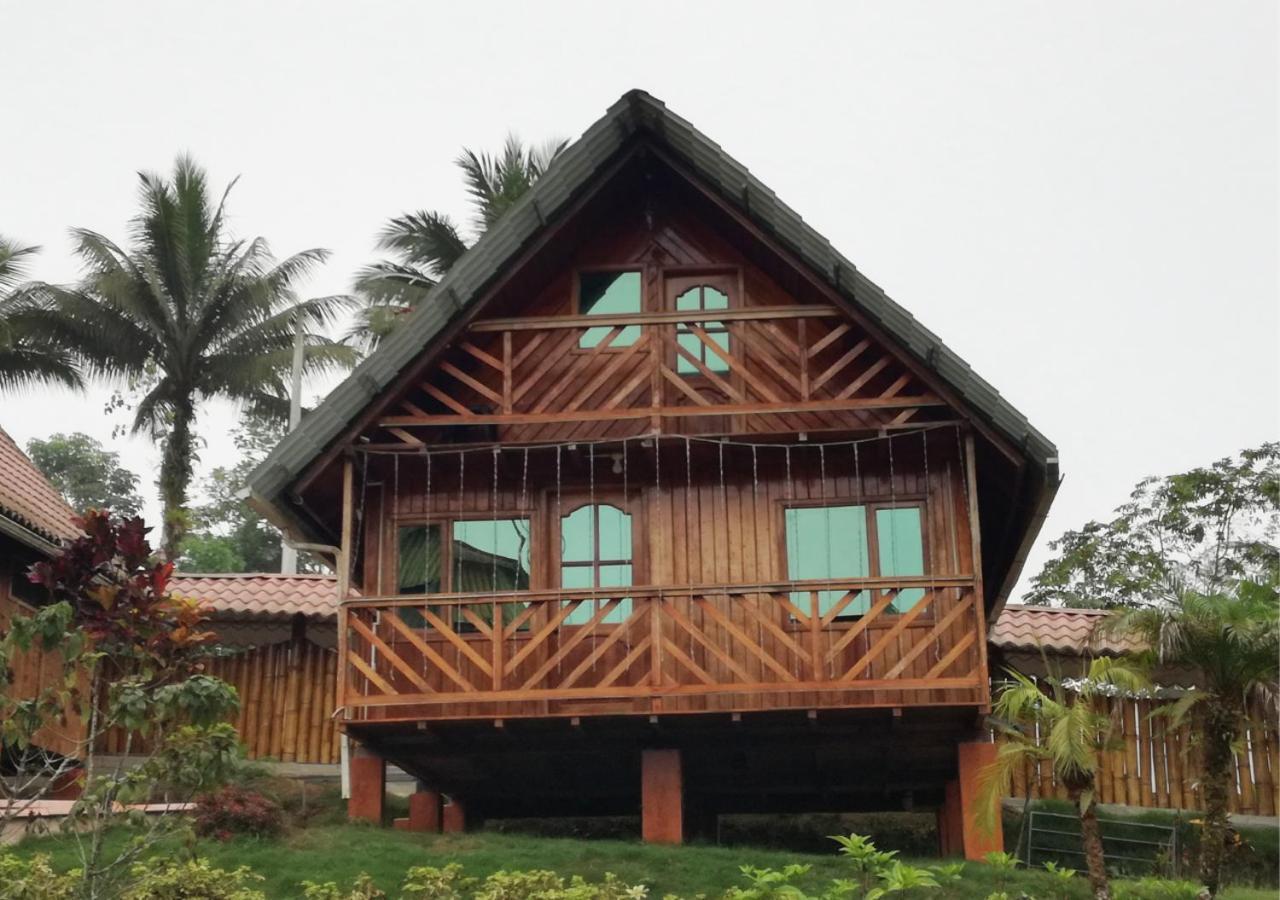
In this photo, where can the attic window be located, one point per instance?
(609, 294)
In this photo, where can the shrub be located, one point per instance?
(236, 810)
(32, 879)
(362, 888)
(1156, 889)
(194, 880)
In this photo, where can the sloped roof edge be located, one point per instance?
(636, 111)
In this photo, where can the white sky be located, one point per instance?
(1080, 199)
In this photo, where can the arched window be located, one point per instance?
(696, 299)
(595, 552)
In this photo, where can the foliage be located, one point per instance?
(431, 883)
(29, 356)
(188, 313)
(191, 880)
(1201, 531)
(425, 245)
(234, 810)
(87, 475)
(362, 888)
(228, 535)
(129, 656)
(1157, 889)
(449, 883)
(33, 878)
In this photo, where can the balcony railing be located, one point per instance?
(647, 649)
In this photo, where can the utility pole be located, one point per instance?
(289, 556)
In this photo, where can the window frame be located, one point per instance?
(575, 306)
(871, 506)
(678, 281)
(446, 551)
(631, 503)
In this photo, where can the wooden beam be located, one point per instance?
(666, 317)
(975, 533)
(666, 412)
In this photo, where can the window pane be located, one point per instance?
(901, 550)
(609, 293)
(828, 542)
(713, 299)
(689, 300)
(491, 555)
(577, 536)
(615, 534)
(419, 568)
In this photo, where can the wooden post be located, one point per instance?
(661, 797)
(344, 575)
(368, 786)
(979, 600)
(972, 757)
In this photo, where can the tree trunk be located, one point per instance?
(175, 478)
(1091, 841)
(1221, 723)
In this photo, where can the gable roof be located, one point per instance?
(31, 509)
(261, 595)
(1057, 630)
(638, 116)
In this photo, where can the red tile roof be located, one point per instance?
(261, 594)
(1073, 631)
(28, 499)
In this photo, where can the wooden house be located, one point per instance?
(34, 521)
(658, 503)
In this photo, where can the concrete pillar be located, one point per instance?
(453, 817)
(68, 785)
(368, 786)
(976, 842)
(424, 811)
(661, 797)
(950, 824)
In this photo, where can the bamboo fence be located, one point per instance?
(1162, 767)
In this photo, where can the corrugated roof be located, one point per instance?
(636, 116)
(28, 500)
(1056, 630)
(261, 594)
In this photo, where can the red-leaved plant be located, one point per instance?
(233, 810)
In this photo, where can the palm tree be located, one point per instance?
(1231, 640)
(189, 313)
(1066, 726)
(425, 245)
(27, 355)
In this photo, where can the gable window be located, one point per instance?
(834, 542)
(609, 294)
(481, 556)
(595, 552)
(696, 299)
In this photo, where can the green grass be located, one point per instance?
(339, 852)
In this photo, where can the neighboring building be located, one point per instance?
(659, 504)
(34, 520)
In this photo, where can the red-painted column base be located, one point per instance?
(368, 786)
(67, 786)
(950, 822)
(661, 797)
(453, 819)
(424, 811)
(976, 841)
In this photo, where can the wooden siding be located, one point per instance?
(714, 622)
(34, 670)
(1162, 767)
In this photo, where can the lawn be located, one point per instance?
(339, 852)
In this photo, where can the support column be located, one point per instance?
(973, 757)
(454, 817)
(950, 822)
(368, 786)
(661, 797)
(424, 810)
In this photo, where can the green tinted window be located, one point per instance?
(606, 294)
(702, 297)
(901, 547)
(828, 542)
(419, 569)
(595, 552)
(491, 555)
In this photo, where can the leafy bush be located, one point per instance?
(32, 879)
(362, 888)
(1156, 889)
(236, 810)
(194, 880)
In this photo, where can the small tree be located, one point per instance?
(1066, 726)
(1231, 640)
(86, 474)
(128, 657)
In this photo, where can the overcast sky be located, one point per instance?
(1080, 199)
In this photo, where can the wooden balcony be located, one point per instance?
(653, 369)
(648, 650)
